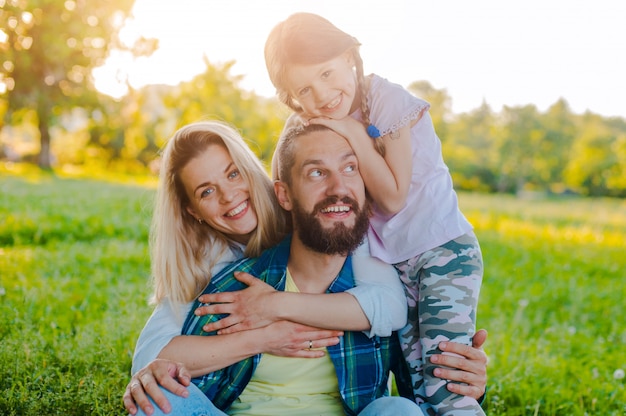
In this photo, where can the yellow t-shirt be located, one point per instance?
(290, 386)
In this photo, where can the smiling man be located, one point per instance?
(320, 185)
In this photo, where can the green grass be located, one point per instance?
(74, 272)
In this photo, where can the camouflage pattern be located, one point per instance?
(442, 288)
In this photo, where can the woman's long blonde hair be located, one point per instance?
(183, 251)
(310, 39)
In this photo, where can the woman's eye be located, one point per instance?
(207, 192)
(326, 74)
(233, 174)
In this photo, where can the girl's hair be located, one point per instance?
(309, 39)
(183, 250)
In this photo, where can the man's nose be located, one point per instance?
(337, 185)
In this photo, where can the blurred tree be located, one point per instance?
(440, 105)
(597, 166)
(215, 94)
(470, 149)
(518, 147)
(553, 152)
(49, 48)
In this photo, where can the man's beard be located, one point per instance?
(338, 240)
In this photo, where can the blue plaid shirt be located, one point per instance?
(362, 364)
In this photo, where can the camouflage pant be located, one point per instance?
(442, 287)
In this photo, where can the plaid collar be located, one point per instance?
(362, 364)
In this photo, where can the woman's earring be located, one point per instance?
(199, 220)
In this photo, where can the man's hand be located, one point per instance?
(145, 383)
(467, 365)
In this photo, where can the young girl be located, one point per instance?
(416, 224)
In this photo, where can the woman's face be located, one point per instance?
(218, 194)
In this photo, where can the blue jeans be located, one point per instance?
(197, 404)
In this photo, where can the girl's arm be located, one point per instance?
(387, 179)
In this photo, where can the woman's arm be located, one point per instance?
(377, 304)
(260, 304)
(201, 354)
(163, 325)
(146, 381)
(187, 356)
(379, 291)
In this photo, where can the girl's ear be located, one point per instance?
(282, 194)
(349, 56)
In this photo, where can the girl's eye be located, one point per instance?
(326, 74)
(303, 91)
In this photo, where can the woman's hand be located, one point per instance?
(249, 308)
(470, 368)
(145, 383)
(290, 339)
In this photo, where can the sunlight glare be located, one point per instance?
(480, 51)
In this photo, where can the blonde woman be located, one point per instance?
(215, 204)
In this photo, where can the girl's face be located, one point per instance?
(218, 194)
(328, 89)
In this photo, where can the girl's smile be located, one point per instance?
(327, 89)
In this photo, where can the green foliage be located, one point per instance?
(552, 300)
(51, 48)
(73, 291)
(74, 283)
(521, 149)
(215, 94)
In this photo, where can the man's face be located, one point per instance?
(327, 195)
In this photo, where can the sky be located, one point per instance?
(502, 52)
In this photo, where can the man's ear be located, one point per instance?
(282, 194)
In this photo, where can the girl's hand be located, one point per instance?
(351, 129)
(145, 383)
(249, 308)
(470, 368)
(290, 339)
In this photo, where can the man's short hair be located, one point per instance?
(286, 149)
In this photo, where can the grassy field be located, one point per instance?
(74, 272)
